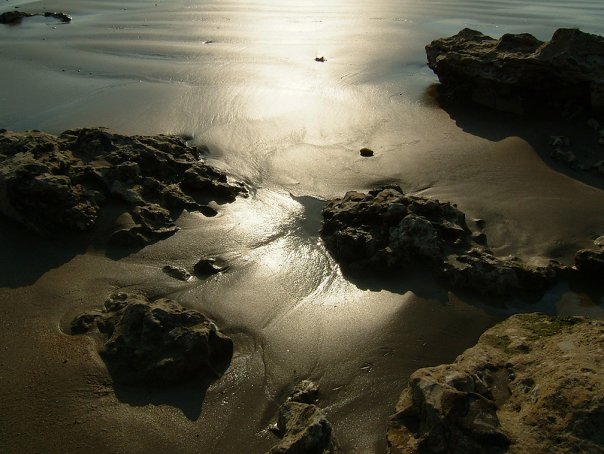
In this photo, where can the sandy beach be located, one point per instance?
(241, 78)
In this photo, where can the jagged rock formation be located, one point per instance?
(388, 230)
(520, 74)
(302, 424)
(533, 383)
(55, 184)
(156, 342)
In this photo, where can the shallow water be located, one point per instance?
(241, 77)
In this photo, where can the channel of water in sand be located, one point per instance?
(241, 78)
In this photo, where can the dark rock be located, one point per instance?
(320, 59)
(302, 424)
(177, 273)
(13, 17)
(61, 16)
(522, 388)
(519, 73)
(59, 184)
(590, 262)
(366, 152)
(305, 392)
(387, 230)
(156, 342)
(208, 266)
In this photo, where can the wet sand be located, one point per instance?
(292, 128)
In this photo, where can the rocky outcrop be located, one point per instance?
(15, 17)
(302, 424)
(533, 383)
(520, 74)
(156, 342)
(386, 230)
(55, 184)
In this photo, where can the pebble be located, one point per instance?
(366, 152)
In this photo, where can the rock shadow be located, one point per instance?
(536, 130)
(188, 397)
(27, 257)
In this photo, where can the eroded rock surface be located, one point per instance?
(519, 73)
(55, 184)
(156, 342)
(303, 425)
(533, 383)
(388, 230)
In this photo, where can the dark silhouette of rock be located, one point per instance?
(156, 342)
(366, 152)
(386, 230)
(531, 384)
(302, 424)
(320, 59)
(590, 263)
(15, 17)
(207, 267)
(520, 74)
(55, 184)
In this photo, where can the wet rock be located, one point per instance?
(156, 342)
(387, 230)
(15, 17)
(303, 425)
(177, 273)
(61, 16)
(520, 74)
(56, 184)
(498, 398)
(208, 266)
(366, 152)
(590, 263)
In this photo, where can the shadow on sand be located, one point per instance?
(188, 397)
(536, 131)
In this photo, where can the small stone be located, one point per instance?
(599, 241)
(366, 152)
(320, 59)
(567, 157)
(558, 141)
(480, 223)
(208, 266)
(177, 273)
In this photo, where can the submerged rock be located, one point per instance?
(533, 383)
(56, 184)
(521, 74)
(156, 342)
(303, 425)
(386, 230)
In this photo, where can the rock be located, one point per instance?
(320, 59)
(366, 152)
(177, 273)
(208, 266)
(590, 263)
(15, 17)
(156, 342)
(56, 184)
(544, 397)
(303, 425)
(599, 242)
(61, 16)
(520, 74)
(559, 141)
(387, 230)
(305, 392)
(567, 157)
